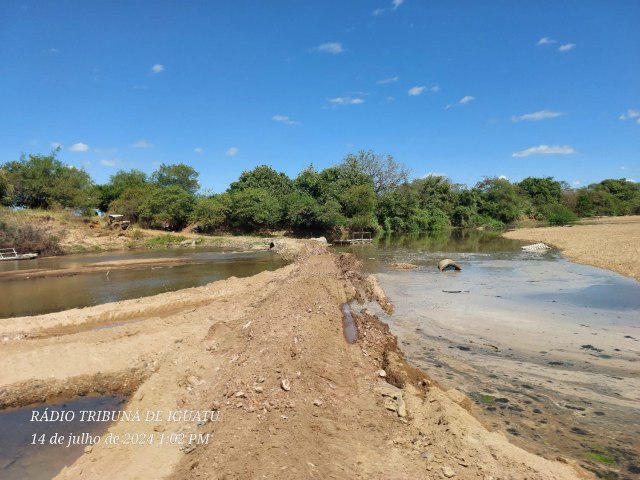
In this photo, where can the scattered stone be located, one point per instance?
(258, 389)
(240, 394)
(382, 373)
(392, 398)
(88, 449)
(215, 405)
(285, 384)
(448, 472)
(188, 448)
(317, 402)
(456, 395)
(195, 381)
(428, 456)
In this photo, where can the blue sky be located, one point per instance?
(462, 88)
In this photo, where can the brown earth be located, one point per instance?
(267, 353)
(609, 242)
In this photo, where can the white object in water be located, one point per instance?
(536, 246)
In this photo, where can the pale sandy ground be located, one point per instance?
(609, 242)
(268, 353)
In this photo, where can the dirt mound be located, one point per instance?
(294, 399)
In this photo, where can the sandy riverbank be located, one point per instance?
(612, 242)
(268, 353)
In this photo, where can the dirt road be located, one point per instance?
(268, 355)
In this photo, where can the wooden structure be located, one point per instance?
(11, 254)
(357, 238)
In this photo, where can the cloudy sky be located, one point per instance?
(462, 88)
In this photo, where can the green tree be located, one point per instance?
(177, 175)
(255, 209)
(542, 191)
(435, 191)
(499, 199)
(211, 213)
(129, 202)
(266, 178)
(118, 183)
(170, 206)
(43, 181)
(6, 188)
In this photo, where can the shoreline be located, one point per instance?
(611, 243)
(268, 353)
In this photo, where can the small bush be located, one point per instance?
(559, 215)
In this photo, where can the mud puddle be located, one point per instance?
(349, 328)
(21, 454)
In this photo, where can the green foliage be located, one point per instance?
(499, 199)
(255, 209)
(43, 181)
(542, 191)
(6, 188)
(303, 211)
(211, 213)
(265, 178)
(435, 192)
(600, 457)
(557, 214)
(177, 175)
(129, 202)
(168, 207)
(119, 183)
(164, 240)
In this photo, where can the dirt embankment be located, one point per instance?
(612, 243)
(267, 353)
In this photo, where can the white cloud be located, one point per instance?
(396, 3)
(387, 80)
(378, 11)
(284, 119)
(198, 150)
(391, 99)
(503, 177)
(330, 47)
(346, 101)
(541, 115)
(142, 143)
(56, 145)
(566, 47)
(79, 147)
(436, 88)
(53, 51)
(630, 114)
(232, 151)
(545, 150)
(546, 41)
(577, 182)
(157, 68)
(631, 180)
(415, 91)
(109, 163)
(466, 99)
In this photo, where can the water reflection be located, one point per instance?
(45, 295)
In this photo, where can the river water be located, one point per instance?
(45, 295)
(548, 350)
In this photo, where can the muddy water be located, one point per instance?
(45, 295)
(21, 454)
(548, 350)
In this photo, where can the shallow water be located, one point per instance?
(548, 350)
(53, 294)
(21, 459)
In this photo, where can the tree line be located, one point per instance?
(365, 191)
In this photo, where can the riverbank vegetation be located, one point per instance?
(365, 191)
